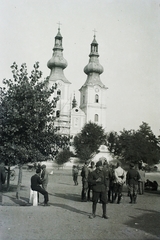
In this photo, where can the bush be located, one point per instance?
(63, 157)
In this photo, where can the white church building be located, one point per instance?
(70, 118)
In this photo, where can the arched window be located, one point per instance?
(57, 113)
(96, 98)
(96, 117)
(59, 93)
(83, 99)
(75, 122)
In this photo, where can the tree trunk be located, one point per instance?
(0, 192)
(19, 182)
(8, 177)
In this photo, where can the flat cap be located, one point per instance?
(43, 166)
(99, 163)
(131, 164)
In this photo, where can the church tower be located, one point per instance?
(63, 108)
(93, 93)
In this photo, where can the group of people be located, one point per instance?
(100, 183)
(39, 182)
(106, 183)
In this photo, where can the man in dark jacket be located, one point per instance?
(35, 186)
(84, 175)
(99, 185)
(132, 178)
(90, 170)
(111, 196)
(2, 175)
(2, 179)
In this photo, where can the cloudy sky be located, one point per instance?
(128, 34)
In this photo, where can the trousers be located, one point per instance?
(42, 191)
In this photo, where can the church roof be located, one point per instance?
(92, 81)
(57, 63)
(59, 36)
(94, 41)
(93, 69)
(77, 111)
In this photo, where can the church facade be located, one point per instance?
(70, 118)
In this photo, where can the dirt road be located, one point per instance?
(68, 218)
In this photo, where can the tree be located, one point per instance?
(113, 143)
(88, 141)
(26, 118)
(150, 144)
(136, 146)
(63, 157)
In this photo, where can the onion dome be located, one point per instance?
(57, 63)
(57, 59)
(93, 66)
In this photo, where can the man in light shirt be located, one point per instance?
(44, 177)
(120, 179)
(141, 181)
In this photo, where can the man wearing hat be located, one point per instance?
(132, 178)
(99, 184)
(44, 177)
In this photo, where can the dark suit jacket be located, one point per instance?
(132, 177)
(2, 176)
(98, 186)
(35, 181)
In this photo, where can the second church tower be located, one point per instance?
(93, 96)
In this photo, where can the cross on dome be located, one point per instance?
(94, 32)
(59, 25)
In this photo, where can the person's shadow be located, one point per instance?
(71, 209)
(17, 202)
(69, 196)
(148, 221)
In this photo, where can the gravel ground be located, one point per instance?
(68, 218)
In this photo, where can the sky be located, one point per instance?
(128, 34)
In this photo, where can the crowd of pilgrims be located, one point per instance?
(103, 183)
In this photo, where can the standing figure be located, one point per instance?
(75, 174)
(84, 175)
(106, 172)
(44, 177)
(90, 170)
(119, 181)
(2, 175)
(98, 180)
(141, 181)
(38, 166)
(35, 186)
(2, 179)
(111, 183)
(132, 179)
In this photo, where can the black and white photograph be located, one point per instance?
(79, 119)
